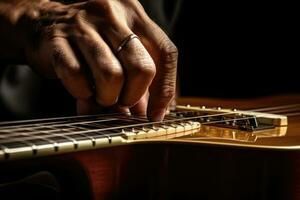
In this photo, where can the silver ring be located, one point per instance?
(125, 41)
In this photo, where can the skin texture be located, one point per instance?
(76, 43)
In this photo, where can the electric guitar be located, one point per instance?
(204, 149)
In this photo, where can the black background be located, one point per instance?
(226, 50)
(237, 49)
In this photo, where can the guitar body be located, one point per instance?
(180, 168)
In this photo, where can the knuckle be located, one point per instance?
(111, 72)
(71, 68)
(167, 92)
(103, 6)
(169, 52)
(144, 69)
(63, 62)
(74, 69)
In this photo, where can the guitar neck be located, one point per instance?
(22, 139)
(32, 138)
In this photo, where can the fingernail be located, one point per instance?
(158, 115)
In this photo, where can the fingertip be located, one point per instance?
(157, 115)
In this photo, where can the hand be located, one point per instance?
(77, 43)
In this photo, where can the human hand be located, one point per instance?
(78, 43)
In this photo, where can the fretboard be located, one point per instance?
(23, 139)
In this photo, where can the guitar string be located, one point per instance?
(135, 125)
(141, 125)
(110, 114)
(287, 110)
(107, 120)
(277, 107)
(5, 129)
(59, 119)
(292, 114)
(56, 118)
(97, 131)
(111, 128)
(9, 124)
(11, 128)
(88, 122)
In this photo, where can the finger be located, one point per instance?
(88, 107)
(106, 69)
(140, 108)
(164, 54)
(68, 69)
(140, 71)
(138, 66)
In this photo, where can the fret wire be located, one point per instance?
(64, 135)
(104, 126)
(18, 133)
(51, 134)
(4, 149)
(108, 136)
(83, 122)
(27, 135)
(82, 137)
(27, 143)
(16, 128)
(130, 126)
(37, 131)
(92, 138)
(71, 123)
(32, 124)
(46, 136)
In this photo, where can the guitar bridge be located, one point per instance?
(234, 119)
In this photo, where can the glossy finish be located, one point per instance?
(287, 138)
(185, 168)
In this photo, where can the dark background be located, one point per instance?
(237, 49)
(226, 50)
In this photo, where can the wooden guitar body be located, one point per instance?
(215, 163)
